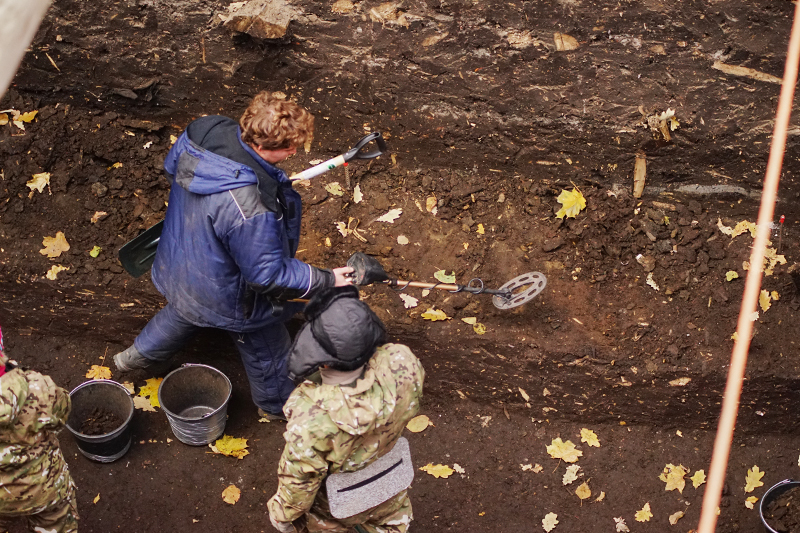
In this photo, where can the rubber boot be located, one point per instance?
(130, 359)
(264, 415)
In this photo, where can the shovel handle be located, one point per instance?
(359, 151)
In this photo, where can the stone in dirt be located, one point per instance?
(264, 19)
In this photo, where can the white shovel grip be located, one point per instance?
(316, 170)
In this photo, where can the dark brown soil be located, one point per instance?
(494, 129)
(783, 513)
(100, 422)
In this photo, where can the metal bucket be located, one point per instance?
(770, 496)
(195, 399)
(109, 396)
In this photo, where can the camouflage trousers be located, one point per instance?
(61, 517)
(392, 516)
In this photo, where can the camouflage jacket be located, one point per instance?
(335, 428)
(33, 473)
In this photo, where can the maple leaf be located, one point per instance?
(698, 478)
(620, 525)
(434, 315)
(674, 517)
(418, 423)
(54, 246)
(570, 475)
(750, 502)
(391, 216)
(571, 203)
(54, 270)
(334, 188)
(143, 404)
(437, 471)
(150, 390)
(409, 301)
(39, 182)
(99, 372)
(230, 446)
(442, 276)
(644, 515)
(549, 522)
(231, 494)
(753, 479)
(673, 476)
(563, 450)
(583, 492)
(590, 437)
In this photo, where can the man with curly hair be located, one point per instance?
(226, 255)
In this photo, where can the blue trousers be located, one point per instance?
(264, 354)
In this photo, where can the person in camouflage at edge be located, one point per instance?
(34, 478)
(345, 416)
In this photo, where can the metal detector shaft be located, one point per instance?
(447, 287)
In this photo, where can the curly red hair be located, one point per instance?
(273, 123)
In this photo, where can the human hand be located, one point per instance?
(342, 280)
(283, 527)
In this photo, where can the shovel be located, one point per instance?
(137, 255)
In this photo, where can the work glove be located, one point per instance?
(283, 527)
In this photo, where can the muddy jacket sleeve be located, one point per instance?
(13, 393)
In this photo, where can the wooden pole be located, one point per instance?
(744, 330)
(19, 20)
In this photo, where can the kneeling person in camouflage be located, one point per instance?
(345, 423)
(34, 477)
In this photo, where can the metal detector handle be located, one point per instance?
(355, 152)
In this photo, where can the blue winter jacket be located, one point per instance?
(230, 233)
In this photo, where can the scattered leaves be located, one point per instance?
(549, 522)
(129, 387)
(563, 450)
(54, 246)
(740, 228)
(590, 437)
(150, 391)
(673, 476)
(644, 515)
(620, 525)
(674, 517)
(564, 42)
(143, 404)
(96, 498)
(764, 300)
(418, 424)
(601, 497)
(437, 471)
(391, 216)
(358, 196)
(99, 372)
(442, 276)
(28, 117)
(434, 315)
(572, 203)
(698, 478)
(533, 468)
(334, 188)
(570, 475)
(39, 182)
(230, 446)
(750, 502)
(731, 275)
(52, 274)
(94, 252)
(409, 301)
(471, 320)
(231, 494)
(753, 479)
(458, 468)
(584, 492)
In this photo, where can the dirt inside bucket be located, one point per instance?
(783, 513)
(100, 422)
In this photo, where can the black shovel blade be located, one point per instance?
(137, 255)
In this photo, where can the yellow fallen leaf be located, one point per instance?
(673, 476)
(430, 203)
(334, 188)
(230, 446)
(764, 300)
(740, 228)
(471, 320)
(680, 382)
(479, 328)
(99, 372)
(97, 216)
(698, 478)
(735, 336)
(775, 295)
(358, 196)
(674, 517)
(434, 315)
(409, 301)
(54, 246)
(731, 275)
(753, 479)
(644, 515)
(590, 437)
(572, 203)
(39, 181)
(523, 394)
(96, 498)
(115, 165)
(54, 270)
(231, 494)
(601, 497)
(549, 522)
(570, 475)
(750, 502)
(563, 450)
(442, 276)
(94, 252)
(129, 387)
(480, 230)
(458, 468)
(28, 117)
(620, 525)
(391, 216)
(150, 391)
(3, 119)
(437, 471)
(564, 42)
(418, 424)
(583, 492)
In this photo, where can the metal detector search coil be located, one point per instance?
(535, 282)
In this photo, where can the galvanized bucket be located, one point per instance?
(195, 399)
(109, 396)
(771, 495)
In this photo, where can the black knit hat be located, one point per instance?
(342, 333)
